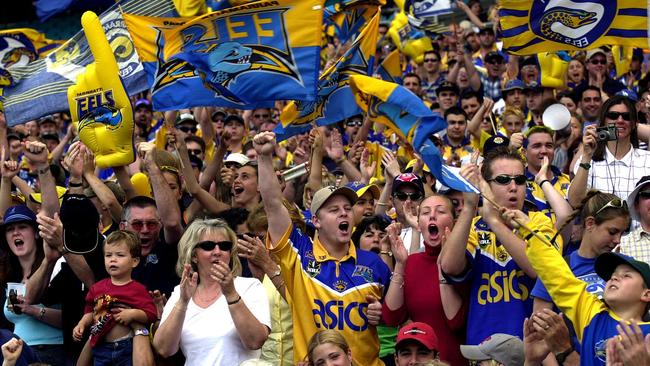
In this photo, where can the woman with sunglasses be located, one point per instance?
(214, 316)
(604, 218)
(428, 299)
(612, 164)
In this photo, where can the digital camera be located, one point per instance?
(607, 133)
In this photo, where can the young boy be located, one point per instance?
(113, 303)
(626, 296)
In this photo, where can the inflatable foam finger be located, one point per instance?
(99, 104)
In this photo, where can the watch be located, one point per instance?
(562, 356)
(585, 166)
(141, 332)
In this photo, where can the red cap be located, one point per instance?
(420, 332)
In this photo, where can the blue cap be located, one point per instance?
(361, 188)
(629, 93)
(18, 213)
(514, 84)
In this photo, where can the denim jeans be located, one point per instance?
(119, 353)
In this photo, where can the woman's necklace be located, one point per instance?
(208, 299)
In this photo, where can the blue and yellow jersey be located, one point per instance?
(498, 285)
(593, 321)
(535, 194)
(327, 293)
(463, 149)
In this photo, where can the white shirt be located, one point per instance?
(209, 337)
(618, 176)
(406, 235)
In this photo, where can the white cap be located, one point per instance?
(238, 158)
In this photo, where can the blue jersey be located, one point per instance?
(498, 285)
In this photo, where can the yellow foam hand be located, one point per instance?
(99, 104)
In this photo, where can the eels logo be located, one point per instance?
(575, 22)
(107, 115)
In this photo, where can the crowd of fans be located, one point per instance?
(221, 246)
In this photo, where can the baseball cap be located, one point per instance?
(493, 55)
(495, 142)
(606, 264)
(322, 195)
(530, 60)
(448, 86)
(533, 86)
(503, 348)
(185, 117)
(514, 84)
(629, 93)
(408, 179)
(361, 188)
(143, 103)
(238, 158)
(80, 221)
(18, 213)
(234, 117)
(419, 332)
(48, 118)
(631, 199)
(594, 51)
(486, 30)
(219, 111)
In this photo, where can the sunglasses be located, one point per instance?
(614, 203)
(599, 61)
(139, 225)
(261, 116)
(403, 196)
(187, 129)
(495, 62)
(614, 115)
(504, 180)
(195, 151)
(431, 60)
(208, 245)
(354, 123)
(644, 195)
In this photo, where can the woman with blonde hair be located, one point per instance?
(214, 316)
(329, 347)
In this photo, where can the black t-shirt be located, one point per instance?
(157, 271)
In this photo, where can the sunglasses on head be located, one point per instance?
(644, 195)
(504, 179)
(601, 61)
(208, 245)
(614, 115)
(187, 129)
(354, 123)
(403, 196)
(614, 203)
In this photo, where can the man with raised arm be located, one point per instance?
(332, 284)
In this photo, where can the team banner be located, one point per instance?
(334, 95)
(405, 113)
(171, 82)
(40, 87)
(390, 69)
(529, 27)
(262, 51)
(19, 47)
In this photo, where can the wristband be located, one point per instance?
(276, 274)
(562, 356)
(383, 204)
(75, 185)
(234, 302)
(585, 166)
(544, 181)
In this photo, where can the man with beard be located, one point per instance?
(339, 283)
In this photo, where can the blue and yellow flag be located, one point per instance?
(406, 114)
(41, 87)
(529, 27)
(553, 70)
(390, 69)
(347, 23)
(171, 82)
(335, 6)
(19, 47)
(257, 52)
(408, 39)
(334, 95)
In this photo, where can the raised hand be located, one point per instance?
(36, 152)
(367, 168)
(335, 150)
(189, 282)
(391, 166)
(396, 243)
(264, 143)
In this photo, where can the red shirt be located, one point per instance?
(104, 296)
(422, 303)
